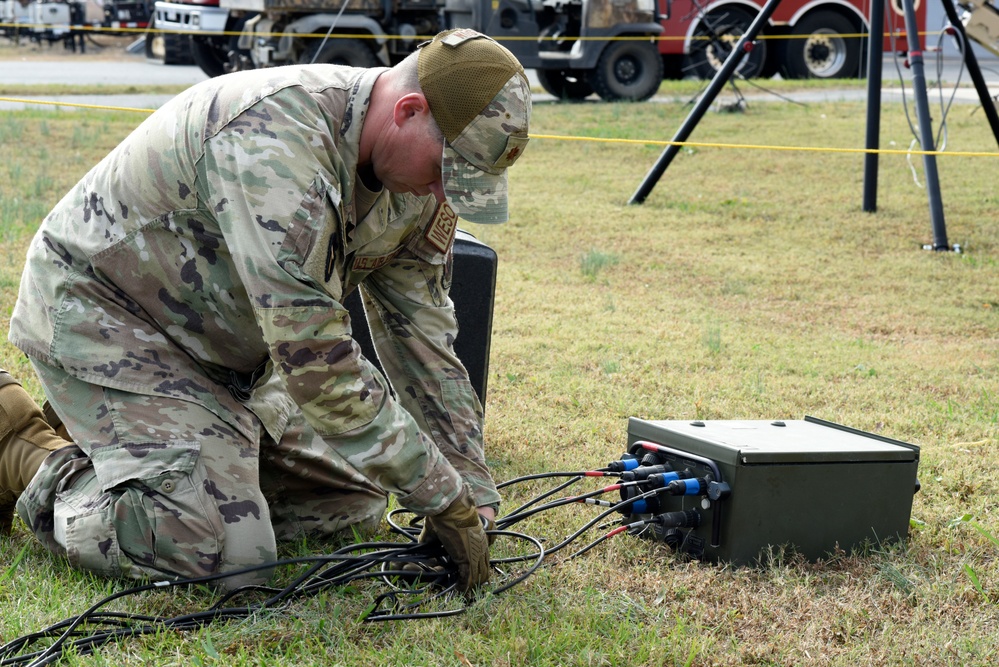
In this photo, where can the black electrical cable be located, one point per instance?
(54, 651)
(96, 627)
(607, 536)
(537, 557)
(377, 614)
(510, 519)
(411, 532)
(599, 472)
(547, 494)
(574, 478)
(615, 508)
(69, 628)
(308, 582)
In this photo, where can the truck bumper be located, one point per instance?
(190, 18)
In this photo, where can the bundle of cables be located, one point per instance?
(428, 590)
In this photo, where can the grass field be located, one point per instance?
(750, 285)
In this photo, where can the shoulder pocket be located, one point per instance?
(313, 250)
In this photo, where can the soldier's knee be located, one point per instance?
(170, 523)
(131, 531)
(182, 535)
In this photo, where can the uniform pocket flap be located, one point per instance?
(143, 461)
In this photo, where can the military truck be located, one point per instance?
(577, 47)
(200, 31)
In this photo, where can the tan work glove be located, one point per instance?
(459, 529)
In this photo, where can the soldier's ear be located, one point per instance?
(408, 107)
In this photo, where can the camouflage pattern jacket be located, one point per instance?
(217, 244)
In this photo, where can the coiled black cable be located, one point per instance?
(377, 561)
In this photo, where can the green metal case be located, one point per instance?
(810, 485)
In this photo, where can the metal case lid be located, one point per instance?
(750, 442)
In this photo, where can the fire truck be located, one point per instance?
(822, 39)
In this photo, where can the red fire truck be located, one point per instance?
(804, 39)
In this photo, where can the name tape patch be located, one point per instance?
(462, 35)
(440, 232)
(372, 263)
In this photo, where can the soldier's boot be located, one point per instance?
(26, 439)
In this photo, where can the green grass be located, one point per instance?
(750, 285)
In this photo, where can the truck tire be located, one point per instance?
(628, 71)
(351, 52)
(150, 41)
(211, 52)
(821, 50)
(168, 48)
(154, 43)
(177, 50)
(714, 38)
(209, 56)
(565, 84)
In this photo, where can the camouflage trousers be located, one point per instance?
(155, 487)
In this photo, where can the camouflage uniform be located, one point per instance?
(183, 308)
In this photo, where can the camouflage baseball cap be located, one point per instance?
(479, 96)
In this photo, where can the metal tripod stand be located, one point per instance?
(922, 111)
(875, 53)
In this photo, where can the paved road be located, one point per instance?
(136, 70)
(130, 70)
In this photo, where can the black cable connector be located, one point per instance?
(649, 505)
(666, 527)
(682, 519)
(653, 459)
(626, 462)
(660, 480)
(696, 486)
(642, 472)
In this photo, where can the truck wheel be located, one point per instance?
(822, 51)
(168, 48)
(352, 52)
(565, 84)
(164, 47)
(628, 70)
(177, 50)
(211, 53)
(153, 42)
(715, 37)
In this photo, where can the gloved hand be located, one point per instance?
(459, 529)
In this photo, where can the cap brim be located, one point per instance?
(475, 195)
